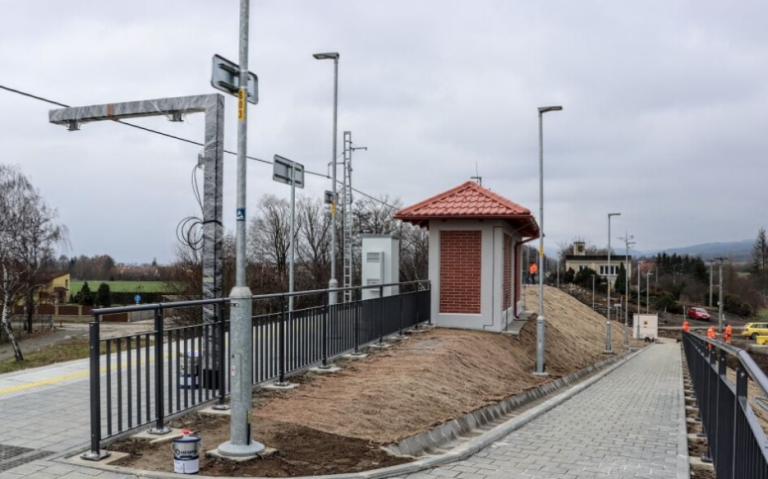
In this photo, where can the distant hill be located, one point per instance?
(738, 251)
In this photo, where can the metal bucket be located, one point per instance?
(186, 453)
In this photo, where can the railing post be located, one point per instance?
(95, 454)
(219, 316)
(707, 425)
(400, 311)
(357, 322)
(381, 314)
(325, 329)
(741, 395)
(281, 380)
(160, 427)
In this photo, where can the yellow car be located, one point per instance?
(753, 330)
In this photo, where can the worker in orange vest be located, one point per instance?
(711, 335)
(686, 326)
(532, 270)
(728, 333)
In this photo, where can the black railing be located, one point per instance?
(131, 388)
(736, 439)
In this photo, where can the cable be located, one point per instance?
(185, 140)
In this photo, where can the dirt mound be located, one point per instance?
(440, 375)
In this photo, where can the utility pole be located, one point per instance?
(627, 243)
(608, 345)
(639, 282)
(241, 365)
(347, 218)
(720, 296)
(711, 264)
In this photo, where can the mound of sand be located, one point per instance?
(437, 376)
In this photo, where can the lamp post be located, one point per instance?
(648, 292)
(540, 324)
(639, 282)
(608, 346)
(628, 243)
(333, 283)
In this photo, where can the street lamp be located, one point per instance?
(639, 311)
(540, 324)
(648, 292)
(333, 283)
(608, 346)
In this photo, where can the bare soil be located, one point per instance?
(338, 422)
(302, 451)
(698, 472)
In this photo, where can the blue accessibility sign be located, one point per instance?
(137, 298)
(241, 214)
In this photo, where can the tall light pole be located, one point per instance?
(648, 292)
(608, 346)
(540, 324)
(637, 323)
(241, 366)
(333, 283)
(720, 296)
(628, 243)
(711, 264)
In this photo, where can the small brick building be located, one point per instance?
(474, 255)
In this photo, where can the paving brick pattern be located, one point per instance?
(625, 425)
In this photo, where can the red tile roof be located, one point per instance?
(469, 201)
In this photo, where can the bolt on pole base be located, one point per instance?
(95, 456)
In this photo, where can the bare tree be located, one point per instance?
(314, 242)
(269, 235)
(28, 231)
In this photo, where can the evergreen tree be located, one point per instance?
(621, 280)
(85, 296)
(104, 295)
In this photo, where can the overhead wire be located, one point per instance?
(187, 140)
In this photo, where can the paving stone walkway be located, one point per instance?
(626, 425)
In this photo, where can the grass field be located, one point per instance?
(122, 286)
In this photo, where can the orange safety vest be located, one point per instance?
(711, 332)
(686, 326)
(728, 332)
(533, 268)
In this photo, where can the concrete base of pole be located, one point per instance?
(355, 356)
(264, 452)
(543, 375)
(418, 331)
(278, 386)
(608, 352)
(396, 338)
(325, 370)
(379, 345)
(221, 407)
(212, 411)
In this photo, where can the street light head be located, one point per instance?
(545, 109)
(614, 214)
(326, 56)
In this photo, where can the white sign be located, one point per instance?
(282, 171)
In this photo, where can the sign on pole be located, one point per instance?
(282, 171)
(225, 76)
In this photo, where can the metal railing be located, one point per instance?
(144, 378)
(736, 439)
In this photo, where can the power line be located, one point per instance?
(185, 140)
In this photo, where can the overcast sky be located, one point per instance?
(664, 108)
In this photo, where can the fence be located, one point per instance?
(130, 387)
(737, 442)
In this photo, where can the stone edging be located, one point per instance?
(429, 441)
(459, 453)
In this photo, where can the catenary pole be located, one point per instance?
(240, 443)
(720, 296)
(293, 238)
(608, 345)
(540, 321)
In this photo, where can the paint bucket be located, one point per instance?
(186, 453)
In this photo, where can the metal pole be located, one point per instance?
(626, 294)
(540, 322)
(293, 237)
(241, 363)
(710, 284)
(333, 283)
(95, 454)
(558, 273)
(720, 301)
(648, 293)
(639, 282)
(593, 292)
(608, 347)
(160, 427)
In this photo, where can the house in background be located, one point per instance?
(475, 267)
(52, 288)
(580, 259)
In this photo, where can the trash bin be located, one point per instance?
(190, 370)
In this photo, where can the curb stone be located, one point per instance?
(459, 453)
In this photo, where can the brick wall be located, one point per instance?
(507, 279)
(460, 264)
